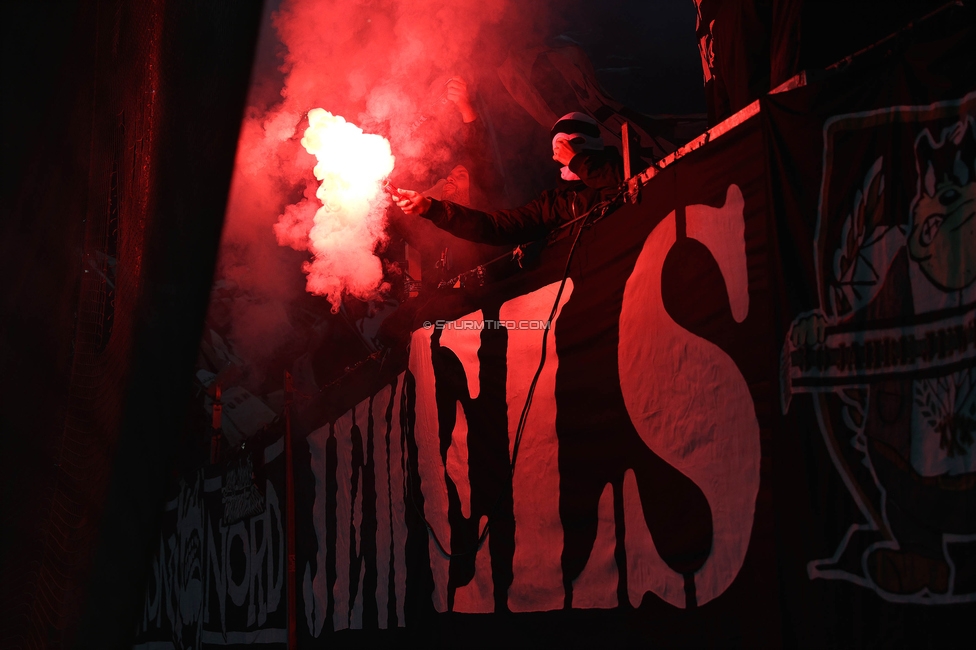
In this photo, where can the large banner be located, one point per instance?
(638, 473)
(752, 413)
(873, 174)
(755, 413)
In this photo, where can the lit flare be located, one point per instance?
(352, 167)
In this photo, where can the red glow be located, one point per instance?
(381, 65)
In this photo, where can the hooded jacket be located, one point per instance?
(601, 174)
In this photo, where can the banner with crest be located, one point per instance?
(873, 177)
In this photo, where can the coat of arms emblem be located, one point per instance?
(890, 354)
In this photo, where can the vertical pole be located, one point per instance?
(290, 515)
(625, 139)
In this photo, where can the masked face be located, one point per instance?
(574, 143)
(560, 142)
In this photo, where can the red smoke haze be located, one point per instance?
(381, 65)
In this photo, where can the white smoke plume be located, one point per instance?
(346, 229)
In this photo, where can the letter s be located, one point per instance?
(687, 398)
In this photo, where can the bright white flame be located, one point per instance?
(352, 166)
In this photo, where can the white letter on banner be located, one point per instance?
(538, 575)
(695, 410)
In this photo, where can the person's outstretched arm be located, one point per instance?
(528, 223)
